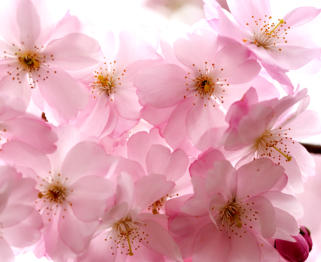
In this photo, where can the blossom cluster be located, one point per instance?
(127, 150)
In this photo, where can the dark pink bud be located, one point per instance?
(297, 251)
(305, 232)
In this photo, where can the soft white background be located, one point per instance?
(103, 15)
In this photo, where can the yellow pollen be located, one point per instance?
(55, 192)
(288, 158)
(204, 85)
(106, 84)
(231, 214)
(30, 61)
(281, 21)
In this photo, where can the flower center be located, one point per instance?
(56, 193)
(267, 34)
(273, 144)
(230, 214)
(30, 61)
(127, 235)
(53, 194)
(107, 79)
(205, 84)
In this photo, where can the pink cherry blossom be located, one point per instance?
(196, 87)
(274, 40)
(233, 213)
(269, 129)
(20, 224)
(33, 57)
(72, 194)
(114, 108)
(20, 126)
(127, 231)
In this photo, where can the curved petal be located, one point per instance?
(294, 57)
(13, 214)
(89, 197)
(258, 177)
(63, 93)
(126, 102)
(34, 132)
(202, 118)
(75, 234)
(301, 15)
(177, 166)
(209, 244)
(150, 189)
(19, 154)
(245, 249)
(160, 241)
(74, 51)
(286, 225)
(161, 85)
(266, 216)
(25, 233)
(157, 159)
(5, 251)
(243, 10)
(196, 49)
(85, 159)
(28, 22)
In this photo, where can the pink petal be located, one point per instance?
(126, 102)
(150, 189)
(197, 49)
(205, 162)
(266, 216)
(161, 85)
(63, 93)
(160, 241)
(75, 234)
(234, 59)
(138, 146)
(6, 252)
(303, 158)
(210, 243)
(257, 177)
(19, 154)
(286, 224)
(33, 132)
(25, 233)
(245, 249)
(89, 197)
(301, 15)
(157, 159)
(75, 51)
(28, 22)
(177, 165)
(13, 214)
(156, 116)
(85, 159)
(305, 124)
(16, 95)
(253, 8)
(294, 57)
(173, 135)
(202, 118)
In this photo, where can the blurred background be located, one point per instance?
(151, 19)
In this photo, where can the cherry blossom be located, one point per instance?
(274, 40)
(32, 57)
(233, 213)
(269, 128)
(20, 224)
(127, 231)
(197, 86)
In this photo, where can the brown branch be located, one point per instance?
(315, 149)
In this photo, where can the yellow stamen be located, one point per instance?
(281, 21)
(130, 251)
(288, 158)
